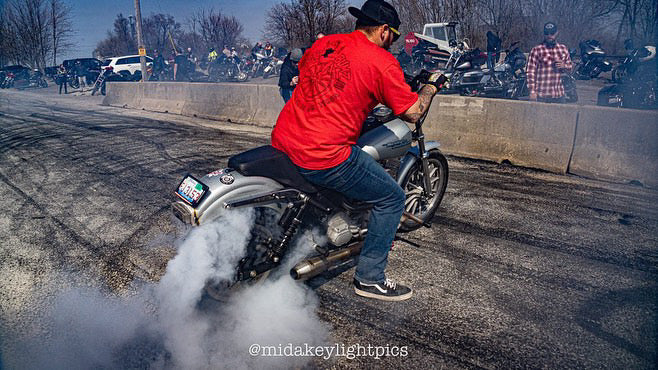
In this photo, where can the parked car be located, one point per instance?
(92, 67)
(129, 63)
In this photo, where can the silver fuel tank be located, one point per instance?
(390, 140)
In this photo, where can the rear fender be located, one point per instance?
(227, 186)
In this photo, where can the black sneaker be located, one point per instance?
(386, 291)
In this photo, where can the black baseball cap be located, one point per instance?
(550, 28)
(378, 12)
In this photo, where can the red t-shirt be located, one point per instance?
(341, 79)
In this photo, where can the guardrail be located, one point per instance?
(604, 143)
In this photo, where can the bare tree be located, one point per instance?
(281, 21)
(60, 24)
(295, 24)
(156, 30)
(639, 19)
(210, 28)
(27, 24)
(118, 42)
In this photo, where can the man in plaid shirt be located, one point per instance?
(546, 64)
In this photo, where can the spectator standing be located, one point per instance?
(180, 66)
(81, 72)
(546, 64)
(158, 65)
(61, 78)
(289, 77)
(493, 48)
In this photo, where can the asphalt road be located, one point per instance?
(521, 268)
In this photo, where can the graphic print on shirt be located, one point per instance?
(326, 77)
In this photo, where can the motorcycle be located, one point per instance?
(592, 61)
(108, 74)
(227, 69)
(636, 86)
(36, 80)
(506, 80)
(6, 80)
(464, 69)
(257, 64)
(636, 59)
(265, 180)
(273, 67)
(72, 80)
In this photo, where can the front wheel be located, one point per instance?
(417, 202)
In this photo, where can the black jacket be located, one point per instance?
(288, 71)
(493, 42)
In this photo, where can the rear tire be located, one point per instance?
(263, 233)
(417, 203)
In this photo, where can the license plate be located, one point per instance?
(191, 190)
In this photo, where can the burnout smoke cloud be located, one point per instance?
(164, 325)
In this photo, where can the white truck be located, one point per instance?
(444, 35)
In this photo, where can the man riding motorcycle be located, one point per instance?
(342, 78)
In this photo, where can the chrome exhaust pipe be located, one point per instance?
(314, 266)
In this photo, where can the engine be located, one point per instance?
(341, 229)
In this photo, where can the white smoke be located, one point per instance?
(168, 325)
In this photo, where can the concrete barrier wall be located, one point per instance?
(605, 143)
(523, 133)
(616, 144)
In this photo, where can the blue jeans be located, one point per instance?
(286, 94)
(360, 177)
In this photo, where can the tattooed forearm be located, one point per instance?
(417, 110)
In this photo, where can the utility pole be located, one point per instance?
(140, 43)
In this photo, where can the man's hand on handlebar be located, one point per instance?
(427, 78)
(433, 82)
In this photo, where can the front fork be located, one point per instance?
(420, 137)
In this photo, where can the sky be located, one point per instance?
(93, 18)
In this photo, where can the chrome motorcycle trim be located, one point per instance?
(286, 195)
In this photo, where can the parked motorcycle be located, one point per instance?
(592, 61)
(108, 74)
(465, 69)
(257, 64)
(6, 80)
(265, 180)
(636, 59)
(36, 79)
(272, 67)
(72, 79)
(506, 80)
(227, 69)
(636, 85)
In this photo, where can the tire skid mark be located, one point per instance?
(108, 259)
(547, 244)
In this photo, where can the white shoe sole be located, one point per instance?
(396, 298)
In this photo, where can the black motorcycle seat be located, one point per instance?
(272, 163)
